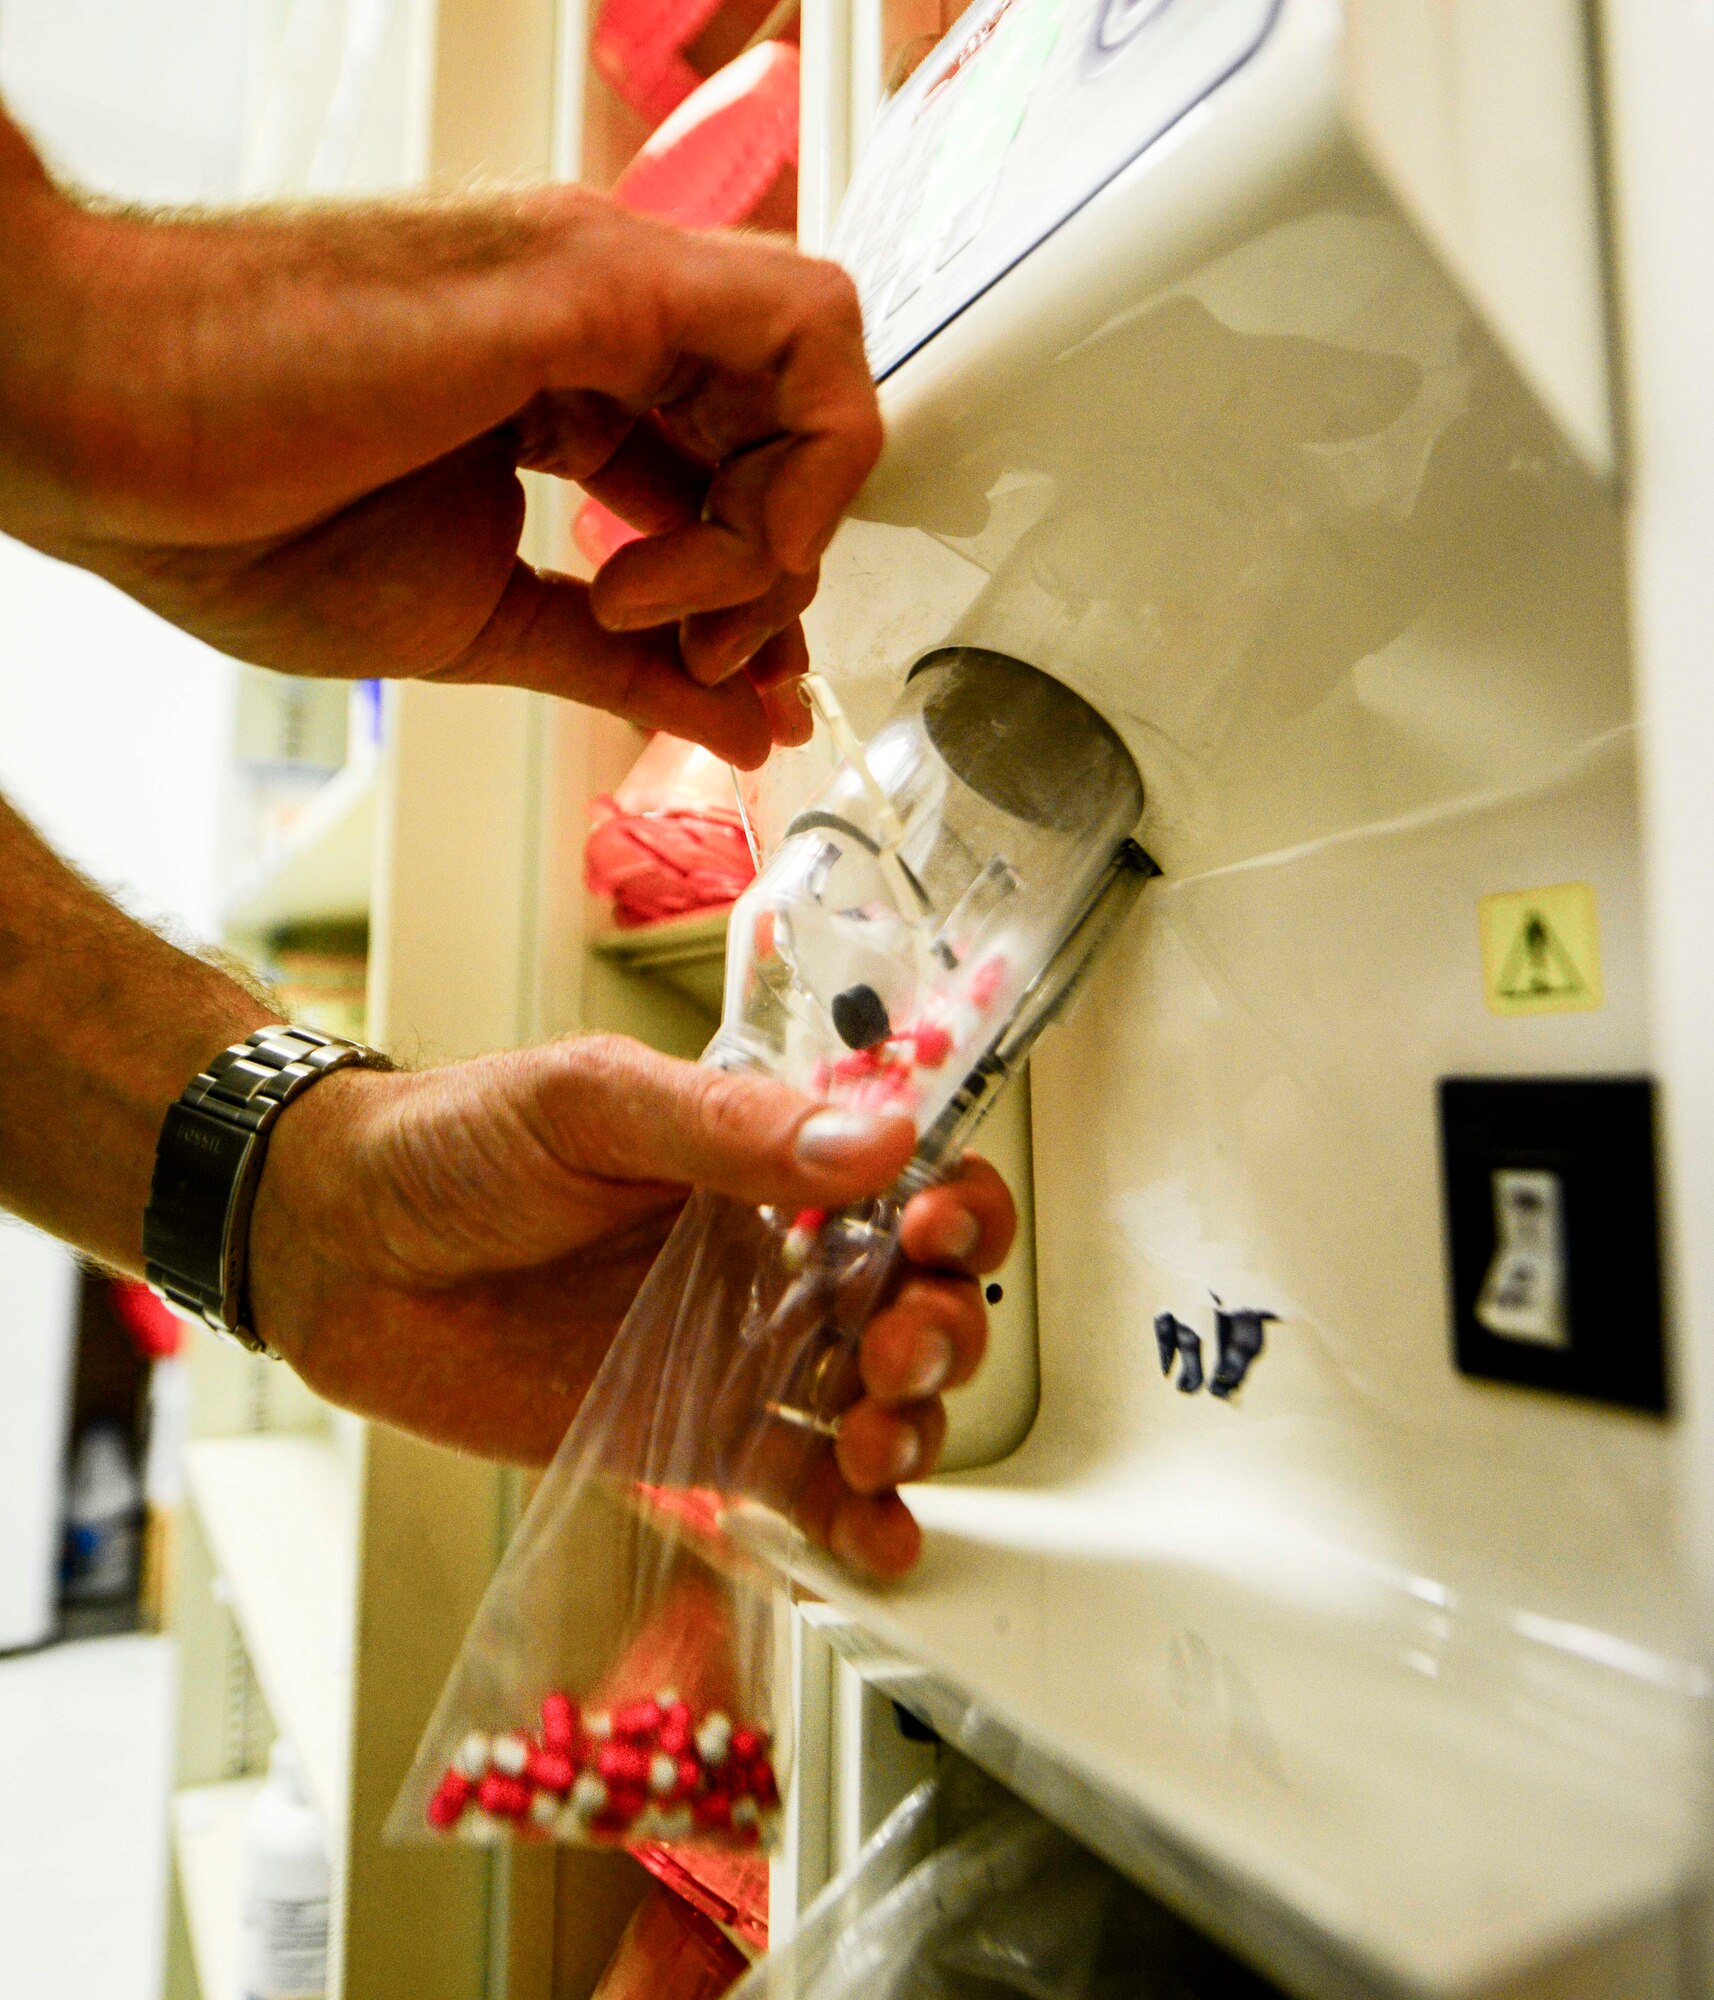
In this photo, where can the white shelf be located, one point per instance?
(685, 953)
(1198, 1709)
(208, 1824)
(280, 1515)
(320, 871)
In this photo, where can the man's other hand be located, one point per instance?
(453, 1251)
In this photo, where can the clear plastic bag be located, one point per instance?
(619, 1682)
(907, 1944)
(903, 1841)
(966, 1894)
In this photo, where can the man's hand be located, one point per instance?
(298, 436)
(453, 1251)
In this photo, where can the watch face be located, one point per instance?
(202, 1170)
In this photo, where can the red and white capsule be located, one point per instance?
(470, 1759)
(802, 1237)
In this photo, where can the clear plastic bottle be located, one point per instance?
(287, 1886)
(916, 922)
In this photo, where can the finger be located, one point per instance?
(717, 415)
(623, 1112)
(931, 1337)
(874, 1535)
(790, 718)
(783, 660)
(757, 310)
(543, 635)
(649, 482)
(881, 1447)
(718, 643)
(826, 401)
(699, 566)
(871, 1533)
(877, 1537)
(966, 1223)
(738, 491)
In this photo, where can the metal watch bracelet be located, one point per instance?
(208, 1165)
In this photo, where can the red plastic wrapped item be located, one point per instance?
(720, 158)
(653, 53)
(155, 1329)
(729, 1889)
(621, 1683)
(670, 1951)
(670, 841)
(727, 155)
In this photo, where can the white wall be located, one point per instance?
(140, 98)
(115, 731)
(112, 725)
(38, 1320)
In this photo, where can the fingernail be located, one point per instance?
(907, 1454)
(740, 649)
(957, 1237)
(630, 614)
(836, 1138)
(934, 1364)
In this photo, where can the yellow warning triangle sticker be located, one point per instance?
(1538, 965)
(1541, 952)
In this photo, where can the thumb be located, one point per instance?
(627, 1113)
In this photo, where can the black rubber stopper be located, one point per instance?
(860, 1015)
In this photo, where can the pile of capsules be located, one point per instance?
(645, 1770)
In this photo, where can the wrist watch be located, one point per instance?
(208, 1165)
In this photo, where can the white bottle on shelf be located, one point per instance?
(104, 1505)
(283, 1948)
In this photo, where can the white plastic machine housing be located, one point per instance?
(1382, 1673)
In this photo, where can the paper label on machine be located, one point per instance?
(1523, 1296)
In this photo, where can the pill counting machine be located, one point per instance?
(1334, 1588)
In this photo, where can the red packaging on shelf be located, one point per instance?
(670, 1951)
(729, 1889)
(721, 155)
(669, 841)
(648, 50)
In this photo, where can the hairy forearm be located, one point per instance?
(157, 360)
(102, 1024)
